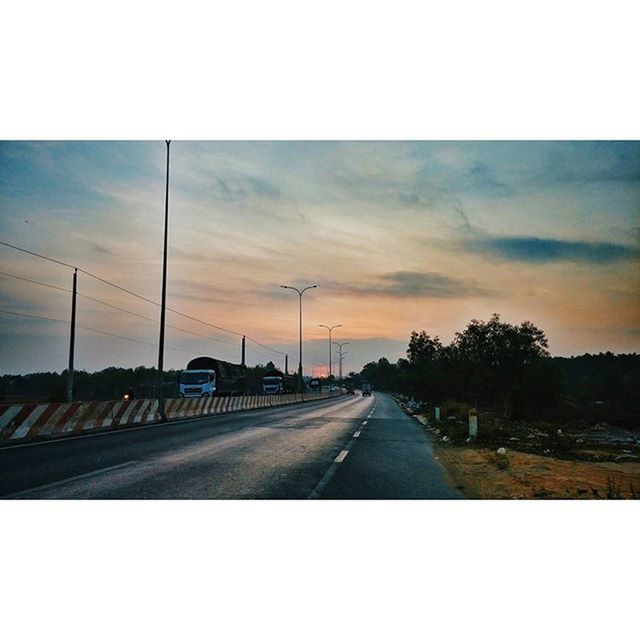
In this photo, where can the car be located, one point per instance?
(351, 391)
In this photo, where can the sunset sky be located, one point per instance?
(398, 236)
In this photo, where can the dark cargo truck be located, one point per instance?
(205, 376)
(275, 382)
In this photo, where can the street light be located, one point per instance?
(335, 326)
(164, 294)
(313, 286)
(340, 345)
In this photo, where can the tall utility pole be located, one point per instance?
(313, 286)
(342, 355)
(335, 326)
(163, 307)
(72, 339)
(286, 364)
(244, 350)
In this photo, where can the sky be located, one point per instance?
(398, 236)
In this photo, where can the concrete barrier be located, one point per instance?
(31, 421)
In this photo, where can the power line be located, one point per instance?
(113, 335)
(112, 306)
(184, 315)
(12, 246)
(264, 346)
(71, 266)
(117, 286)
(44, 284)
(28, 315)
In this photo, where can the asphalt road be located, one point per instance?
(291, 452)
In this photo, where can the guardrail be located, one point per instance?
(31, 421)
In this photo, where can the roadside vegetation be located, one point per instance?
(108, 384)
(507, 369)
(538, 416)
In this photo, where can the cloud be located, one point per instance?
(413, 284)
(577, 163)
(240, 188)
(539, 250)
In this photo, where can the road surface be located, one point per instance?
(348, 447)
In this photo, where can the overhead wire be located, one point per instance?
(113, 284)
(44, 284)
(112, 306)
(81, 326)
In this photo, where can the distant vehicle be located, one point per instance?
(208, 377)
(350, 390)
(314, 385)
(129, 395)
(276, 382)
(366, 389)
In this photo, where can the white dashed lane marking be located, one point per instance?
(320, 487)
(342, 455)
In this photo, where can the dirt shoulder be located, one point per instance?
(537, 459)
(530, 476)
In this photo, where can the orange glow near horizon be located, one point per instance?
(398, 236)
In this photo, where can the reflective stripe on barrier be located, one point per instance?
(28, 421)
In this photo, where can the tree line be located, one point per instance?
(491, 364)
(109, 384)
(506, 368)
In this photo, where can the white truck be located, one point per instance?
(208, 377)
(276, 382)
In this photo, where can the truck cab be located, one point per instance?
(197, 383)
(272, 385)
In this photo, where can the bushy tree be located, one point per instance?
(499, 360)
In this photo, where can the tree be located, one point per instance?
(423, 348)
(424, 373)
(497, 358)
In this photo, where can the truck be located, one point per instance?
(366, 389)
(275, 382)
(315, 385)
(208, 377)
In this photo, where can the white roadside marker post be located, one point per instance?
(473, 423)
(436, 413)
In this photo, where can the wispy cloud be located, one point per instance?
(412, 284)
(539, 250)
(382, 227)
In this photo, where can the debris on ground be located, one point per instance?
(529, 476)
(545, 459)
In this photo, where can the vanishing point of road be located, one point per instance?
(351, 447)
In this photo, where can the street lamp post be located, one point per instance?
(164, 294)
(340, 345)
(313, 286)
(335, 326)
